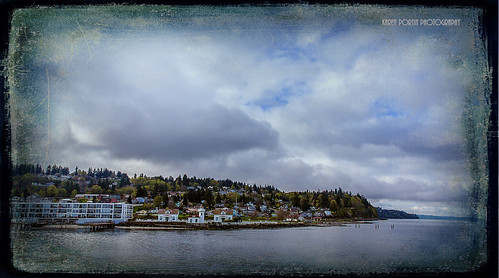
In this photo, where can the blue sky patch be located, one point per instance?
(276, 99)
(386, 108)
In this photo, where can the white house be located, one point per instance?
(220, 215)
(168, 215)
(197, 218)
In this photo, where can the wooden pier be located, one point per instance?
(93, 227)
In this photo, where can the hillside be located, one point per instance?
(181, 192)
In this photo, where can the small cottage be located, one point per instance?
(220, 215)
(168, 215)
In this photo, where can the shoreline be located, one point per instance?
(183, 226)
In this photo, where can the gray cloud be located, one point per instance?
(203, 133)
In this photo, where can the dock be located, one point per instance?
(98, 226)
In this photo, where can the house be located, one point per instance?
(138, 200)
(220, 215)
(168, 215)
(197, 218)
(318, 213)
(153, 211)
(317, 218)
(238, 212)
(117, 196)
(33, 198)
(294, 209)
(190, 210)
(306, 214)
(249, 208)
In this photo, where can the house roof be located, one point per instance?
(222, 212)
(168, 211)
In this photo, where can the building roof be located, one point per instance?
(168, 211)
(223, 212)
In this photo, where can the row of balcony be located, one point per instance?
(71, 205)
(44, 216)
(69, 211)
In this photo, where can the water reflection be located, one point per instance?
(395, 245)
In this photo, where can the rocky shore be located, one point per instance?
(153, 225)
(156, 225)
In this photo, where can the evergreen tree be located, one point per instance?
(141, 191)
(218, 198)
(323, 200)
(208, 197)
(26, 192)
(295, 200)
(305, 203)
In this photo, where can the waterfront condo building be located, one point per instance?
(65, 211)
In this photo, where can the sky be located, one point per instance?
(299, 97)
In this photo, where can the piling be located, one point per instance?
(94, 227)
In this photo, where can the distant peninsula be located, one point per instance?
(395, 214)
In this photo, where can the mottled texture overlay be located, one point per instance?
(390, 102)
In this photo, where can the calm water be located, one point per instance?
(412, 245)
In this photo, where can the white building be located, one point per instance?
(220, 215)
(168, 215)
(68, 212)
(199, 218)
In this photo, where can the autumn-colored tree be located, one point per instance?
(96, 189)
(157, 201)
(52, 191)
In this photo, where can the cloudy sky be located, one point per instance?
(299, 97)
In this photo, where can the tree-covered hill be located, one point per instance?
(395, 214)
(183, 191)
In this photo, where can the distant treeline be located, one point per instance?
(395, 214)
